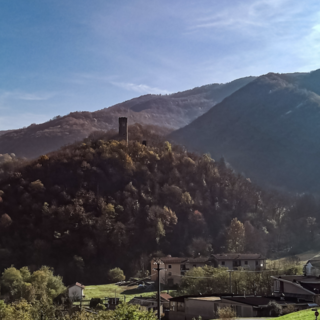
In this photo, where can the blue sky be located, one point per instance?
(58, 56)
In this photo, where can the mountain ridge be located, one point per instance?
(171, 111)
(266, 130)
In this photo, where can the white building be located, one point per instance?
(76, 291)
(235, 261)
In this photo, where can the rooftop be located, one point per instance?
(206, 298)
(198, 260)
(239, 256)
(263, 301)
(250, 300)
(295, 278)
(309, 283)
(172, 260)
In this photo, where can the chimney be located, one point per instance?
(123, 129)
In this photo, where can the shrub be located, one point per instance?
(273, 309)
(100, 306)
(36, 186)
(226, 313)
(116, 275)
(289, 309)
(94, 302)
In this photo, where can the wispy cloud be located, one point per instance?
(18, 95)
(246, 15)
(140, 88)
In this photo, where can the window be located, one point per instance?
(169, 266)
(169, 274)
(276, 285)
(223, 263)
(246, 262)
(257, 263)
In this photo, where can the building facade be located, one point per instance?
(190, 307)
(175, 268)
(235, 261)
(76, 291)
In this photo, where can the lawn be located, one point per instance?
(112, 290)
(303, 315)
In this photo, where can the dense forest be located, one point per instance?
(100, 204)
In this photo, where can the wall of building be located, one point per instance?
(242, 310)
(195, 308)
(172, 273)
(207, 309)
(75, 293)
(291, 288)
(250, 266)
(227, 264)
(165, 276)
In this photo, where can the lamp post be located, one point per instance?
(158, 262)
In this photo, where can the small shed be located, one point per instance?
(76, 291)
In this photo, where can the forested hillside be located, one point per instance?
(101, 204)
(267, 130)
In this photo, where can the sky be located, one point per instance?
(60, 56)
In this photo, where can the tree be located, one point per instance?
(254, 239)
(22, 284)
(116, 275)
(236, 236)
(9, 276)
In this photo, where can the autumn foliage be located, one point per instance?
(99, 204)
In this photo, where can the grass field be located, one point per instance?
(112, 290)
(299, 315)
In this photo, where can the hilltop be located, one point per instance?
(169, 111)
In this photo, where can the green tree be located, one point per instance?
(10, 276)
(116, 275)
(236, 236)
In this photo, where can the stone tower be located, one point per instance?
(123, 129)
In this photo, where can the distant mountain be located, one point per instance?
(170, 111)
(269, 130)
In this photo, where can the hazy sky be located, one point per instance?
(58, 56)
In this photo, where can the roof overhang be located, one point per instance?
(294, 283)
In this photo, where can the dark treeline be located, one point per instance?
(100, 204)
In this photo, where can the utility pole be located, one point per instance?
(230, 280)
(158, 262)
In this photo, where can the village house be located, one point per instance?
(76, 291)
(175, 267)
(189, 307)
(235, 261)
